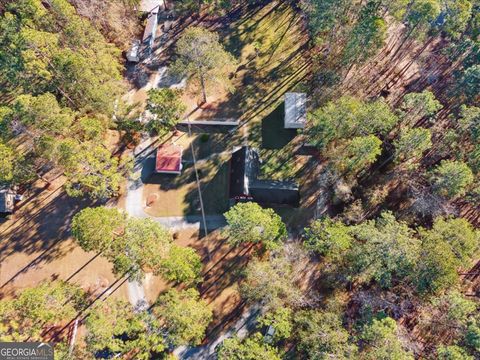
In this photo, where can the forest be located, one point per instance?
(381, 262)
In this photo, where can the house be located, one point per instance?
(169, 159)
(7, 202)
(245, 185)
(295, 110)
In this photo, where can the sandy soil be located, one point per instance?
(35, 245)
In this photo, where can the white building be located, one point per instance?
(151, 6)
(295, 110)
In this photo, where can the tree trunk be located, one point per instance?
(204, 91)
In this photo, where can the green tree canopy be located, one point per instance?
(469, 122)
(472, 336)
(416, 106)
(469, 83)
(143, 247)
(98, 228)
(367, 36)
(321, 335)
(281, 320)
(115, 327)
(356, 154)
(387, 251)
(50, 48)
(453, 352)
(382, 341)
(451, 178)
(202, 56)
(436, 268)
(135, 245)
(249, 223)
(448, 246)
(36, 309)
(183, 315)
(95, 172)
(44, 114)
(457, 13)
(459, 234)
(348, 117)
(420, 16)
(7, 163)
(411, 145)
(328, 237)
(448, 314)
(251, 348)
(166, 107)
(271, 282)
(183, 264)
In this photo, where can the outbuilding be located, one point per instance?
(295, 110)
(169, 159)
(7, 202)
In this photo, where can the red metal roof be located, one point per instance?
(169, 159)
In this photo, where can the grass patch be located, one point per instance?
(269, 44)
(215, 191)
(274, 134)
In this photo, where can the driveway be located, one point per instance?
(243, 326)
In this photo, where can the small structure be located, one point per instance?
(151, 6)
(169, 159)
(295, 110)
(245, 185)
(7, 202)
(133, 55)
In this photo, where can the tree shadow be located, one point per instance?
(214, 187)
(274, 134)
(42, 229)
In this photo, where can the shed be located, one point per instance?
(245, 185)
(295, 110)
(169, 159)
(7, 202)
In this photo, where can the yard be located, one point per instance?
(177, 195)
(270, 44)
(35, 245)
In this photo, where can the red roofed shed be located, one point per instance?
(169, 159)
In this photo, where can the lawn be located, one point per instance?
(177, 195)
(270, 44)
(274, 134)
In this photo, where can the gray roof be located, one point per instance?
(295, 110)
(245, 185)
